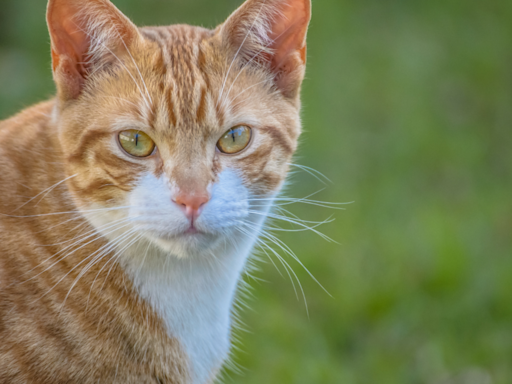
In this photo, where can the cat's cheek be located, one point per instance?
(229, 203)
(263, 176)
(264, 164)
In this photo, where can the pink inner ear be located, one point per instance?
(67, 37)
(72, 42)
(78, 38)
(289, 30)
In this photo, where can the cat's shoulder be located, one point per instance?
(28, 139)
(37, 115)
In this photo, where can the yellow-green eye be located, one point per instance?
(235, 140)
(136, 143)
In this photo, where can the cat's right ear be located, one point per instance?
(85, 36)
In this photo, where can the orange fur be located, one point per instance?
(184, 86)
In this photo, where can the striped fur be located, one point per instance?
(86, 293)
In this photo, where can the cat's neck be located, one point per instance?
(194, 297)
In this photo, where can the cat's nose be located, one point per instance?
(191, 204)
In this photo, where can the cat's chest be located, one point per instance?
(194, 300)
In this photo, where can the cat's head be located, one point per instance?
(178, 134)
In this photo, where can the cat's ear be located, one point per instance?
(85, 36)
(272, 33)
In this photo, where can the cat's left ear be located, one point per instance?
(272, 33)
(86, 36)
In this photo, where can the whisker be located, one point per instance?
(116, 256)
(313, 172)
(62, 278)
(97, 235)
(112, 246)
(91, 264)
(47, 190)
(288, 269)
(323, 236)
(293, 220)
(65, 213)
(100, 253)
(289, 251)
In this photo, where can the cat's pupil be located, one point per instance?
(233, 134)
(136, 139)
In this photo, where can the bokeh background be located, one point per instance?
(408, 110)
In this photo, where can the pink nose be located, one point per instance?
(192, 204)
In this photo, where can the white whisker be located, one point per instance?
(47, 190)
(313, 172)
(97, 235)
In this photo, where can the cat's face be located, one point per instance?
(179, 135)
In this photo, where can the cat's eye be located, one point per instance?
(136, 143)
(235, 140)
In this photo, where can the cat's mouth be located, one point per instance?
(185, 243)
(192, 233)
(192, 230)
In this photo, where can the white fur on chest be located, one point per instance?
(194, 297)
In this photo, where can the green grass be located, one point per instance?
(408, 110)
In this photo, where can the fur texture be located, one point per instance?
(103, 275)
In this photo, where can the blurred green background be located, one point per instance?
(408, 110)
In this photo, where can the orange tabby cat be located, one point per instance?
(131, 201)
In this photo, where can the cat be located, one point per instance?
(131, 201)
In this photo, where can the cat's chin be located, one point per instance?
(187, 244)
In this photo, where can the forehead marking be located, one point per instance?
(184, 84)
